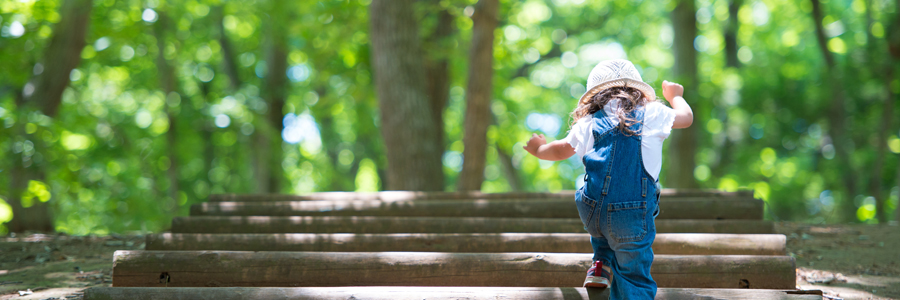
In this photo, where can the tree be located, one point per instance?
(683, 147)
(166, 74)
(876, 186)
(836, 113)
(438, 53)
(478, 94)
(414, 161)
(730, 34)
(44, 94)
(270, 175)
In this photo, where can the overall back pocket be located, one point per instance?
(586, 208)
(627, 221)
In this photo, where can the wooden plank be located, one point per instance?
(666, 243)
(293, 269)
(298, 224)
(410, 195)
(432, 293)
(671, 208)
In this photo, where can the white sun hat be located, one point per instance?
(615, 73)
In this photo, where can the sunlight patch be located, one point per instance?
(74, 141)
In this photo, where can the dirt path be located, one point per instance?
(844, 261)
(58, 266)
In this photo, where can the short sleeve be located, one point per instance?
(579, 136)
(658, 120)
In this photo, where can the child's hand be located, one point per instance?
(672, 90)
(536, 141)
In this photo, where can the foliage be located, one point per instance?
(104, 157)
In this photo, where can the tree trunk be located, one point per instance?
(509, 170)
(269, 152)
(61, 55)
(897, 206)
(436, 67)
(893, 47)
(680, 171)
(731, 29)
(275, 91)
(37, 216)
(167, 82)
(887, 115)
(414, 161)
(44, 93)
(876, 184)
(228, 54)
(206, 128)
(478, 95)
(836, 116)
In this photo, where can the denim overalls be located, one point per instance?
(618, 205)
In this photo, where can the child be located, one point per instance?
(618, 131)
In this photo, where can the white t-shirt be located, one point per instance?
(657, 125)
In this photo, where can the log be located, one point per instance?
(432, 293)
(673, 208)
(410, 195)
(666, 243)
(309, 269)
(297, 224)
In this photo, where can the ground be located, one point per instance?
(844, 261)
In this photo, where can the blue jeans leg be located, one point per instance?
(603, 252)
(632, 268)
(632, 275)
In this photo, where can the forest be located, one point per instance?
(117, 115)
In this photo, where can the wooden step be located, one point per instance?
(409, 195)
(297, 224)
(670, 208)
(431, 293)
(666, 243)
(293, 269)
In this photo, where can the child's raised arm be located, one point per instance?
(554, 151)
(684, 116)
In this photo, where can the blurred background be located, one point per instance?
(116, 115)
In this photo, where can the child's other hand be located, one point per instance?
(672, 90)
(536, 141)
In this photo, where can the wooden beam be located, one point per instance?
(410, 195)
(674, 208)
(297, 224)
(294, 269)
(666, 243)
(432, 293)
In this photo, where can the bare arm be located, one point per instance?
(684, 116)
(557, 150)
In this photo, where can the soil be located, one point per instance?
(846, 261)
(843, 261)
(58, 266)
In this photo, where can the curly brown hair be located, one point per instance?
(629, 99)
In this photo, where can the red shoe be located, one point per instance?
(598, 280)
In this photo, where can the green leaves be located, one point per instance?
(105, 156)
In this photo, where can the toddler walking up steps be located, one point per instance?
(342, 245)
